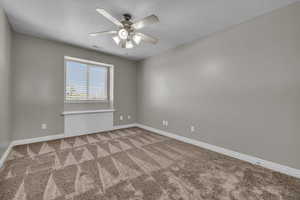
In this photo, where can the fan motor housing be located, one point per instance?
(127, 22)
(127, 17)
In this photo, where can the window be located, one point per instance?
(86, 81)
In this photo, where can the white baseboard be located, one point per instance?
(125, 126)
(254, 160)
(62, 135)
(28, 141)
(47, 138)
(5, 154)
(251, 159)
(38, 139)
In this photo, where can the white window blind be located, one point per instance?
(86, 82)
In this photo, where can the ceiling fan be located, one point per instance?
(127, 35)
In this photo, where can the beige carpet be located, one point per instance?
(134, 164)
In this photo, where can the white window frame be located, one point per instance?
(110, 80)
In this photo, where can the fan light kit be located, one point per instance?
(127, 35)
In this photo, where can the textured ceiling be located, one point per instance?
(181, 21)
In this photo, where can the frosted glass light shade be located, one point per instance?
(117, 40)
(137, 39)
(129, 44)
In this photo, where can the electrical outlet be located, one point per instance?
(128, 117)
(165, 123)
(192, 128)
(121, 117)
(44, 126)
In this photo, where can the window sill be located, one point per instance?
(86, 101)
(78, 112)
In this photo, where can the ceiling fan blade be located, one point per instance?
(109, 17)
(148, 38)
(103, 33)
(152, 19)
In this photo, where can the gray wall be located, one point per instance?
(5, 80)
(38, 85)
(240, 88)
